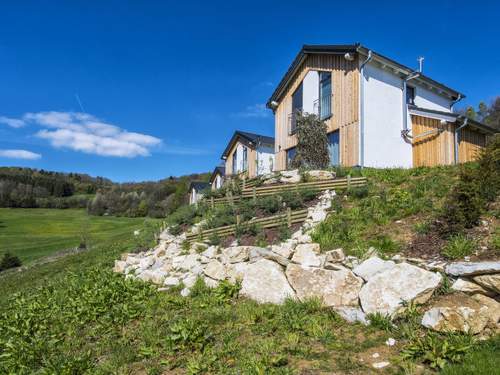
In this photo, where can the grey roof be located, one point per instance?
(198, 185)
(342, 49)
(252, 139)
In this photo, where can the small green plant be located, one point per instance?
(385, 244)
(495, 240)
(214, 239)
(445, 286)
(188, 335)
(458, 247)
(9, 261)
(261, 240)
(175, 229)
(380, 321)
(185, 246)
(359, 192)
(284, 232)
(422, 228)
(226, 291)
(436, 350)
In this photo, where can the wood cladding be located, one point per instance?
(345, 107)
(438, 146)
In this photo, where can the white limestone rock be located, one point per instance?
(257, 253)
(372, 266)
(171, 281)
(386, 291)
(308, 255)
(468, 287)
(335, 256)
(215, 270)
(352, 315)
(490, 282)
(265, 282)
(154, 276)
(235, 271)
(120, 266)
(282, 250)
(237, 254)
(321, 174)
(472, 268)
(211, 252)
(335, 288)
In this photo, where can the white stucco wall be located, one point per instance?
(265, 160)
(383, 120)
(310, 91)
(431, 100)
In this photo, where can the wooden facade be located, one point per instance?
(251, 161)
(345, 107)
(434, 143)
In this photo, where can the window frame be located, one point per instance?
(320, 95)
(414, 94)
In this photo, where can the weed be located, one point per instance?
(9, 261)
(214, 239)
(188, 335)
(385, 244)
(422, 228)
(437, 350)
(380, 321)
(458, 247)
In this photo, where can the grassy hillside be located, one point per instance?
(34, 233)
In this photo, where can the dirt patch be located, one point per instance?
(270, 236)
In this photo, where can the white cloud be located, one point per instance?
(85, 133)
(254, 111)
(19, 154)
(12, 122)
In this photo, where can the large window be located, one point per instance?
(325, 95)
(290, 155)
(245, 159)
(235, 161)
(297, 103)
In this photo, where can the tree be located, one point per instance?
(489, 115)
(312, 143)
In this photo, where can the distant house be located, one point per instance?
(249, 154)
(217, 177)
(196, 189)
(379, 113)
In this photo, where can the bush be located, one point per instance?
(9, 261)
(312, 143)
(458, 246)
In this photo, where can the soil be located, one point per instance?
(271, 236)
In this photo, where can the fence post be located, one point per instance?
(238, 219)
(289, 217)
(244, 183)
(254, 193)
(348, 181)
(212, 201)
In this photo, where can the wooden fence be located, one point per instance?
(289, 218)
(259, 191)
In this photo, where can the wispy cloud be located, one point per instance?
(86, 133)
(12, 122)
(19, 154)
(254, 111)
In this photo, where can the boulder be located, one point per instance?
(235, 271)
(335, 256)
(211, 283)
(171, 281)
(210, 252)
(120, 266)
(305, 238)
(352, 314)
(290, 177)
(189, 280)
(493, 307)
(189, 262)
(372, 266)
(237, 254)
(215, 270)
(265, 282)
(457, 313)
(491, 282)
(155, 276)
(283, 250)
(472, 268)
(259, 252)
(308, 255)
(468, 287)
(317, 214)
(335, 288)
(321, 175)
(386, 291)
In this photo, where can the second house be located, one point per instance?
(248, 155)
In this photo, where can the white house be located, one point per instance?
(379, 113)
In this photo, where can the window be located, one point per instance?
(410, 95)
(325, 95)
(333, 148)
(245, 158)
(290, 155)
(296, 107)
(235, 161)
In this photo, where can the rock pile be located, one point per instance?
(297, 269)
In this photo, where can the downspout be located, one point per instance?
(362, 110)
(460, 97)
(457, 136)
(405, 132)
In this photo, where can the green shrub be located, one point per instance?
(175, 229)
(9, 261)
(188, 335)
(380, 321)
(292, 199)
(214, 239)
(458, 246)
(312, 143)
(270, 204)
(436, 350)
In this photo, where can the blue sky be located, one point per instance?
(164, 84)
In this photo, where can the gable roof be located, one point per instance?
(198, 185)
(251, 139)
(340, 49)
(218, 170)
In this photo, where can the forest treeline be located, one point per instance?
(32, 188)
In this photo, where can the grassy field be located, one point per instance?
(35, 233)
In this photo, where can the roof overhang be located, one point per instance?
(384, 62)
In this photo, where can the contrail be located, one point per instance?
(79, 102)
